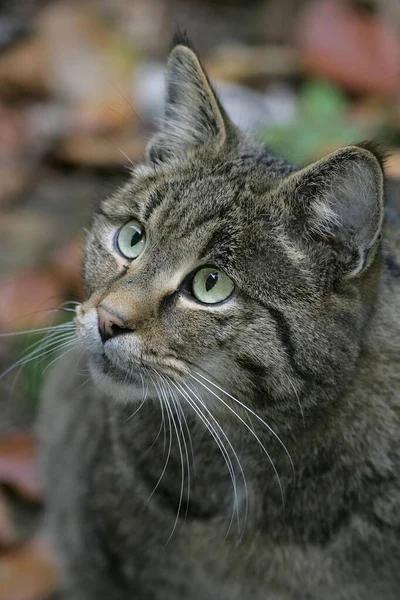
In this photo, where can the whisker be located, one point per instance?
(247, 408)
(162, 425)
(127, 157)
(180, 409)
(50, 335)
(180, 415)
(47, 342)
(84, 383)
(214, 433)
(68, 325)
(50, 340)
(170, 441)
(168, 407)
(61, 355)
(40, 312)
(241, 472)
(140, 405)
(36, 354)
(248, 428)
(125, 98)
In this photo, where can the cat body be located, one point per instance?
(243, 444)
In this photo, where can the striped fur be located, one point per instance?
(297, 375)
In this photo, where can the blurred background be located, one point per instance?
(81, 90)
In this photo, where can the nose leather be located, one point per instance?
(110, 325)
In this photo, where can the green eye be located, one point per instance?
(131, 239)
(210, 285)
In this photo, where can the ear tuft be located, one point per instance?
(180, 38)
(341, 199)
(377, 149)
(193, 115)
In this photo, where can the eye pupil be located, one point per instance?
(136, 237)
(210, 285)
(131, 239)
(211, 281)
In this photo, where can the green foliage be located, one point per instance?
(44, 351)
(322, 123)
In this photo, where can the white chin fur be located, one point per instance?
(121, 392)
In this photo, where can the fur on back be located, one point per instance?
(248, 448)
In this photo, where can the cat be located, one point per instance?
(239, 437)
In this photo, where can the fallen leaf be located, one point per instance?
(392, 167)
(98, 151)
(14, 179)
(13, 132)
(67, 263)
(27, 299)
(18, 464)
(354, 48)
(28, 573)
(8, 534)
(25, 67)
(232, 62)
(25, 239)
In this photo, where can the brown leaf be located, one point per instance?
(233, 62)
(26, 297)
(102, 116)
(392, 168)
(26, 67)
(100, 151)
(67, 265)
(18, 464)
(28, 573)
(8, 534)
(356, 49)
(13, 132)
(14, 179)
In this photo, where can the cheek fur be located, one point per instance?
(196, 329)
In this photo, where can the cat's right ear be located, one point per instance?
(193, 115)
(339, 201)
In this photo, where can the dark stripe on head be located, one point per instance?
(259, 379)
(156, 198)
(207, 216)
(254, 368)
(102, 212)
(285, 336)
(393, 267)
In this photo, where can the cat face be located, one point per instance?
(221, 266)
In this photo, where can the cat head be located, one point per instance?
(221, 266)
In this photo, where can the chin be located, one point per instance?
(117, 386)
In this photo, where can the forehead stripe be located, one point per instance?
(156, 198)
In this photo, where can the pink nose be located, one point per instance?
(110, 325)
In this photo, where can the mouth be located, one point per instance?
(128, 384)
(141, 369)
(120, 374)
(125, 362)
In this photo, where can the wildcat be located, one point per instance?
(239, 435)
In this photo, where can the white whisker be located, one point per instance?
(68, 325)
(181, 415)
(248, 409)
(170, 441)
(215, 435)
(61, 355)
(38, 353)
(168, 407)
(247, 427)
(141, 403)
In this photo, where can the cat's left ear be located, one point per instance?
(340, 201)
(193, 115)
